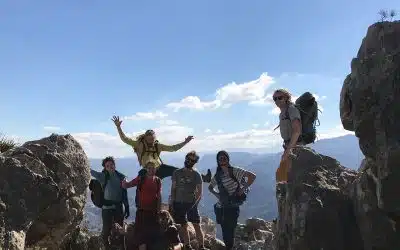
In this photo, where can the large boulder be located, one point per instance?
(255, 234)
(369, 105)
(43, 192)
(315, 210)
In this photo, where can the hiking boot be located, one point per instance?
(207, 177)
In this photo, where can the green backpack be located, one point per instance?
(308, 107)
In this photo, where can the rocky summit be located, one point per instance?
(43, 192)
(369, 106)
(43, 183)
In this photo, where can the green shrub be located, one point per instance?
(6, 143)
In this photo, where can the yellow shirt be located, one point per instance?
(151, 154)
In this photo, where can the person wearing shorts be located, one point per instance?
(186, 192)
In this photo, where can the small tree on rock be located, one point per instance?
(392, 14)
(384, 15)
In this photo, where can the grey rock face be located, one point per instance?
(43, 191)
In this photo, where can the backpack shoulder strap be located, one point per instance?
(157, 151)
(158, 185)
(143, 150)
(140, 183)
(106, 178)
(286, 115)
(230, 170)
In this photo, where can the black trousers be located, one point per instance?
(111, 216)
(166, 171)
(227, 217)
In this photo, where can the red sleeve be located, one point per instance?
(133, 182)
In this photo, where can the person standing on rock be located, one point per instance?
(114, 197)
(147, 148)
(290, 129)
(148, 204)
(186, 192)
(233, 184)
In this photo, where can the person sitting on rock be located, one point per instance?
(148, 204)
(169, 235)
(290, 129)
(186, 192)
(167, 238)
(114, 197)
(147, 148)
(232, 188)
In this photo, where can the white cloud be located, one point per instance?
(252, 92)
(255, 125)
(335, 132)
(207, 130)
(51, 128)
(193, 102)
(98, 145)
(168, 122)
(146, 116)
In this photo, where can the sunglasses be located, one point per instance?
(190, 159)
(277, 98)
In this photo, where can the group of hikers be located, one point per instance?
(155, 228)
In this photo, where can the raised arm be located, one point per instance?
(122, 135)
(131, 183)
(97, 175)
(176, 147)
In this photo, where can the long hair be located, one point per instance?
(286, 94)
(222, 152)
(140, 138)
(166, 218)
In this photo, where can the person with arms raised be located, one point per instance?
(147, 148)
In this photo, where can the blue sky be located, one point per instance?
(68, 67)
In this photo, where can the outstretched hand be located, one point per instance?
(124, 183)
(116, 121)
(189, 138)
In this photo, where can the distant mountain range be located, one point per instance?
(261, 200)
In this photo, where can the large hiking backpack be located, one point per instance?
(225, 198)
(156, 152)
(97, 191)
(308, 108)
(139, 189)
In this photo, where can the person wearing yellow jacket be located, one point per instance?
(147, 148)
